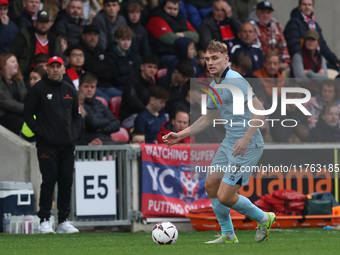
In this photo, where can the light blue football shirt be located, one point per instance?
(237, 124)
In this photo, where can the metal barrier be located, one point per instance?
(123, 155)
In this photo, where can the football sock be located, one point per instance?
(245, 207)
(229, 236)
(222, 213)
(264, 219)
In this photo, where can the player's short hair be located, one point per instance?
(243, 60)
(87, 78)
(159, 92)
(217, 47)
(124, 32)
(150, 59)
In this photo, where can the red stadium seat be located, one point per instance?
(120, 136)
(115, 103)
(161, 72)
(103, 100)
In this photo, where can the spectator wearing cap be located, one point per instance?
(140, 43)
(30, 9)
(269, 33)
(32, 41)
(69, 21)
(220, 24)
(247, 36)
(309, 63)
(302, 19)
(76, 59)
(98, 62)
(8, 29)
(55, 104)
(108, 20)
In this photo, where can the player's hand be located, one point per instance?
(171, 138)
(4, 19)
(181, 34)
(240, 147)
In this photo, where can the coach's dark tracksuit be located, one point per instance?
(57, 126)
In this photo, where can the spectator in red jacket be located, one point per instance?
(180, 122)
(165, 26)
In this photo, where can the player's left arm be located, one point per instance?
(242, 144)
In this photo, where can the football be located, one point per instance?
(164, 233)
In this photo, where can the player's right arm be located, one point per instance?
(199, 125)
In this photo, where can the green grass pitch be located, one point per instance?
(283, 241)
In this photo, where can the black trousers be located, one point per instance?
(56, 166)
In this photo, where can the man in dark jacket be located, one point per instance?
(127, 61)
(136, 91)
(219, 25)
(247, 36)
(174, 82)
(25, 18)
(108, 20)
(54, 102)
(99, 120)
(32, 41)
(69, 22)
(301, 20)
(140, 43)
(98, 62)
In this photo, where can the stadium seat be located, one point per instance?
(332, 74)
(120, 136)
(115, 103)
(161, 72)
(102, 99)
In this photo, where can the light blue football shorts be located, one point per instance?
(236, 168)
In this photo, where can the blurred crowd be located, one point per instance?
(131, 63)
